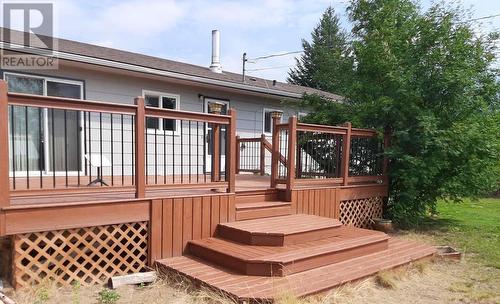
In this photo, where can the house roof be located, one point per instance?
(200, 73)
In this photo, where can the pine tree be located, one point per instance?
(326, 63)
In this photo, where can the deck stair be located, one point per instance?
(261, 204)
(303, 254)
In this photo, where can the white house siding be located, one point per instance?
(115, 87)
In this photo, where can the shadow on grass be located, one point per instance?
(433, 224)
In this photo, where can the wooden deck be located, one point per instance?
(244, 183)
(322, 255)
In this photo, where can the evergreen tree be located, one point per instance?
(326, 63)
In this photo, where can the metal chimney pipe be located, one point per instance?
(216, 67)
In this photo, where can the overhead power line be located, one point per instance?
(271, 68)
(482, 18)
(275, 55)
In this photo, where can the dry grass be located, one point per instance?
(429, 282)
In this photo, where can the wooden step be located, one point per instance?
(280, 230)
(262, 209)
(266, 195)
(286, 260)
(263, 288)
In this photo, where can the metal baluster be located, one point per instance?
(165, 157)
(12, 125)
(40, 146)
(156, 155)
(189, 160)
(27, 149)
(53, 152)
(112, 150)
(66, 146)
(122, 143)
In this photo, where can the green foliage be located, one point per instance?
(108, 296)
(75, 292)
(427, 77)
(326, 58)
(42, 295)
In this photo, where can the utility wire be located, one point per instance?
(271, 68)
(482, 18)
(275, 55)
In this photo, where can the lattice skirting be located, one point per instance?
(359, 212)
(86, 255)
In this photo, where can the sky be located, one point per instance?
(181, 30)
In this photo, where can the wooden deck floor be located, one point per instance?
(247, 287)
(244, 182)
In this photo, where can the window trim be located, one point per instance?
(301, 114)
(47, 159)
(160, 105)
(264, 110)
(48, 78)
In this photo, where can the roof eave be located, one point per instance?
(142, 69)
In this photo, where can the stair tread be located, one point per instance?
(302, 283)
(280, 225)
(348, 237)
(264, 204)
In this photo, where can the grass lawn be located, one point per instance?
(472, 226)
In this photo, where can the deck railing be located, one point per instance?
(317, 154)
(61, 145)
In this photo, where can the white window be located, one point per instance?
(301, 115)
(268, 120)
(46, 86)
(164, 101)
(37, 134)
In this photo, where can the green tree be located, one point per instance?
(326, 63)
(428, 77)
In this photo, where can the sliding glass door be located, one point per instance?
(44, 139)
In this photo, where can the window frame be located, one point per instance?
(160, 95)
(47, 159)
(46, 79)
(264, 111)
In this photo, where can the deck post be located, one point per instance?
(140, 129)
(275, 156)
(4, 146)
(346, 154)
(238, 154)
(292, 142)
(232, 157)
(262, 155)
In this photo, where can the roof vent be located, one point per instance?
(216, 67)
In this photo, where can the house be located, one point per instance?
(117, 161)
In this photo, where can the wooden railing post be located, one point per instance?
(292, 142)
(140, 157)
(4, 146)
(346, 154)
(275, 155)
(262, 155)
(238, 154)
(232, 157)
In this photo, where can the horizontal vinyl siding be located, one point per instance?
(108, 87)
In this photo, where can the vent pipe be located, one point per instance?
(216, 67)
